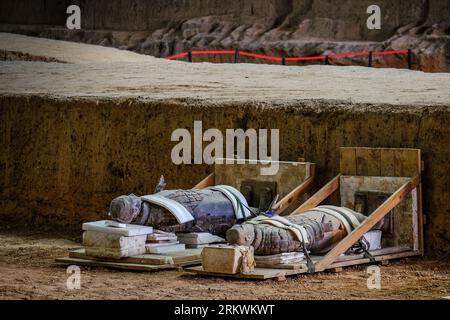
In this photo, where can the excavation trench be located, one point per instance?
(63, 160)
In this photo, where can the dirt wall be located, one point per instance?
(62, 161)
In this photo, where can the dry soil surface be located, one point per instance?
(29, 272)
(94, 71)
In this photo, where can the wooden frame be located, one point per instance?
(319, 196)
(374, 164)
(286, 201)
(364, 227)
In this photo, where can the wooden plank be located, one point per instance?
(415, 219)
(287, 178)
(380, 252)
(421, 218)
(207, 182)
(407, 162)
(269, 273)
(115, 265)
(186, 256)
(376, 216)
(320, 196)
(294, 195)
(348, 161)
(368, 162)
(402, 220)
(190, 255)
(387, 161)
(256, 274)
(391, 162)
(268, 265)
(385, 257)
(336, 269)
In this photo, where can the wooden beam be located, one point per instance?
(348, 161)
(421, 219)
(384, 257)
(207, 182)
(368, 224)
(294, 195)
(368, 162)
(319, 196)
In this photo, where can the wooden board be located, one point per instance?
(256, 274)
(386, 257)
(343, 261)
(207, 182)
(380, 162)
(376, 216)
(404, 215)
(319, 196)
(289, 176)
(188, 257)
(119, 265)
(387, 162)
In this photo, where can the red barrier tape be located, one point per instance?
(305, 58)
(273, 58)
(177, 56)
(214, 52)
(259, 56)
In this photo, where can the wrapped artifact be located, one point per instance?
(214, 210)
(317, 231)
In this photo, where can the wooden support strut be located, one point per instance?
(294, 195)
(207, 182)
(368, 224)
(321, 195)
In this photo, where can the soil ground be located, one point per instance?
(29, 272)
(95, 71)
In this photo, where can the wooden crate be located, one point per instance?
(393, 171)
(294, 179)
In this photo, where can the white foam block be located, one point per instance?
(165, 249)
(129, 230)
(161, 244)
(108, 240)
(199, 238)
(373, 237)
(114, 253)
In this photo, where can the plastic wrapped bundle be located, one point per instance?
(211, 210)
(317, 231)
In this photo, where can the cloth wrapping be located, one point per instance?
(280, 222)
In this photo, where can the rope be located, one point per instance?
(361, 247)
(274, 58)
